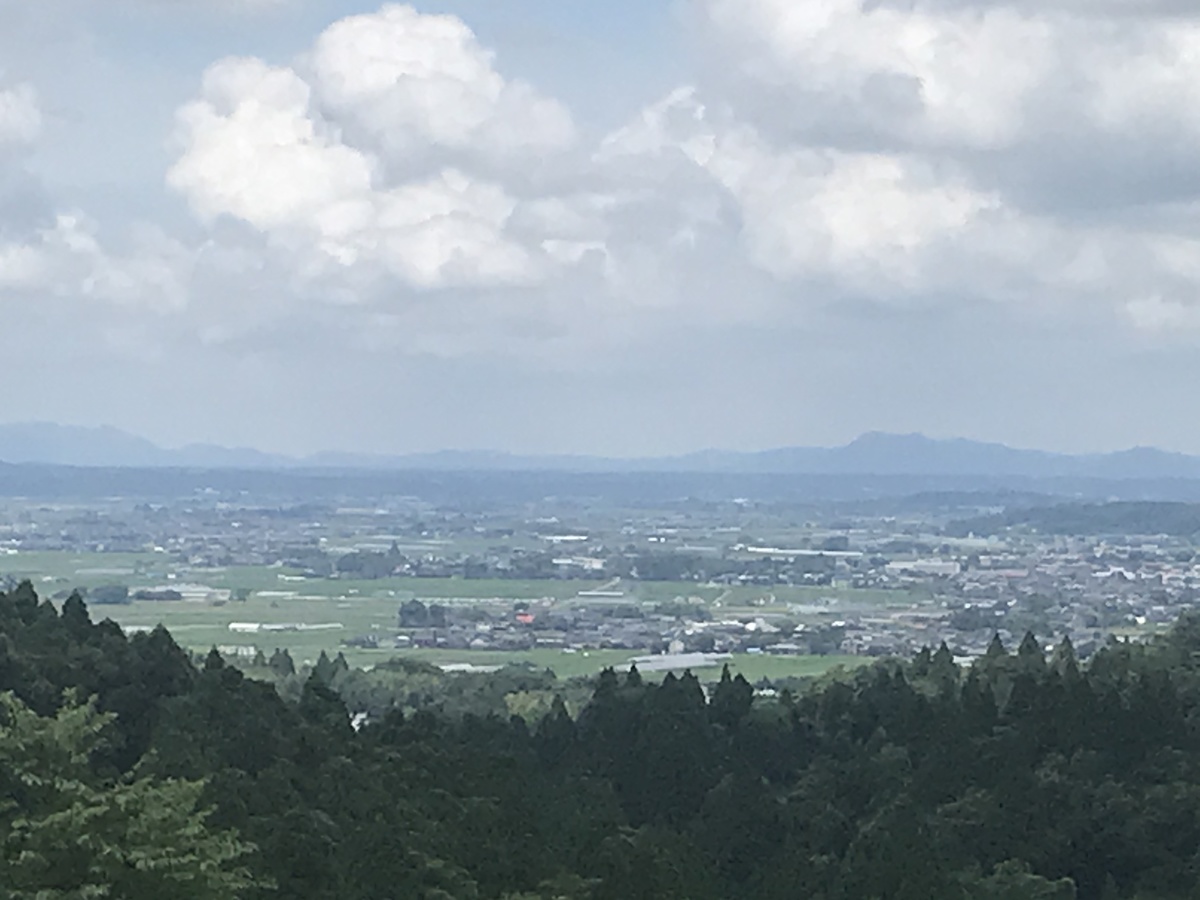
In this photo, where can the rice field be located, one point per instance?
(310, 615)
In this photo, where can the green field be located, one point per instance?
(53, 572)
(263, 579)
(200, 626)
(366, 607)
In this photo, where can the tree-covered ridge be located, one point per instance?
(1116, 518)
(1025, 775)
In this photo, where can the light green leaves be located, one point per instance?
(68, 834)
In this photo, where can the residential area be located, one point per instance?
(706, 575)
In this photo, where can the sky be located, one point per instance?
(639, 227)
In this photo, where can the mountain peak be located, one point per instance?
(873, 453)
(890, 438)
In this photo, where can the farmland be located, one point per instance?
(317, 623)
(572, 572)
(307, 615)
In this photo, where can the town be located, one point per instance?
(692, 580)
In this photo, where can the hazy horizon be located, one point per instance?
(891, 438)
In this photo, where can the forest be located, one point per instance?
(1118, 518)
(130, 770)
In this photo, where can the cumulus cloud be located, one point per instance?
(336, 154)
(69, 260)
(984, 77)
(924, 75)
(1151, 82)
(869, 221)
(411, 81)
(812, 210)
(848, 227)
(20, 116)
(841, 213)
(46, 252)
(253, 151)
(21, 266)
(884, 183)
(1154, 313)
(832, 153)
(936, 152)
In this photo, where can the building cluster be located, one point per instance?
(687, 576)
(1086, 589)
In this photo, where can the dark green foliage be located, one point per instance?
(1013, 881)
(325, 670)
(68, 831)
(1020, 777)
(110, 595)
(731, 701)
(281, 664)
(371, 565)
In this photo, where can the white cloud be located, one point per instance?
(68, 260)
(931, 75)
(863, 219)
(1159, 315)
(304, 159)
(410, 80)
(944, 76)
(152, 275)
(845, 215)
(21, 266)
(1151, 81)
(394, 159)
(902, 228)
(446, 229)
(253, 150)
(951, 197)
(20, 117)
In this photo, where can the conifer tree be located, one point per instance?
(67, 833)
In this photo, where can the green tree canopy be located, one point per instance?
(68, 833)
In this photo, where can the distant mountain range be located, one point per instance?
(872, 454)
